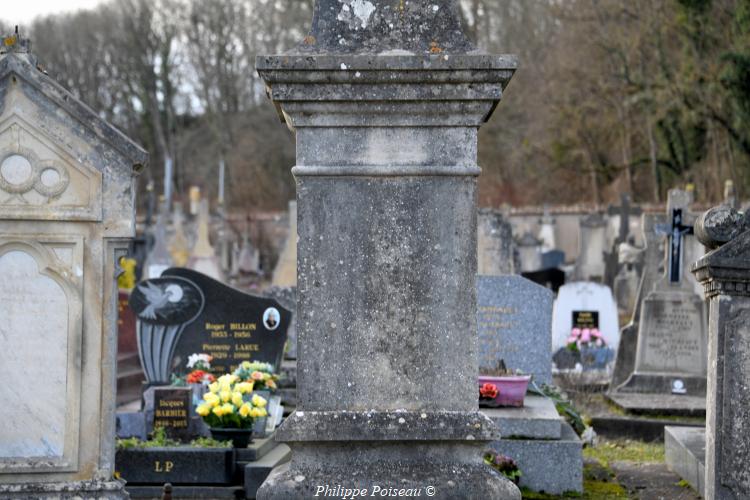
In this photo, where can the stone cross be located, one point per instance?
(725, 276)
(386, 99)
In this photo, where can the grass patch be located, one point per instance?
(625, 451)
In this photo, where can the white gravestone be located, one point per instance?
(584, 297)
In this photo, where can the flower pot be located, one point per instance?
(240, 438)
(511, 390)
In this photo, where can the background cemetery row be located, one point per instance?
(609, 100)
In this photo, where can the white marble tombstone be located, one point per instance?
(66, 213)
(584, 297)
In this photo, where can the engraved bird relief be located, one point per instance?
(158, 298)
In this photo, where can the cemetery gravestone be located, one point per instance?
(159, 258)
(592, 248)
(232, 327)
(547, 231)
(67, 180)
(670, 355)
(203, 257)
(495, 245)
(652, 268)
(514, 317)
(172, 411)
(529, 252)
(613, 263)
(583, 305)
(164, 307)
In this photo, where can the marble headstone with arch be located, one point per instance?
(67, 190)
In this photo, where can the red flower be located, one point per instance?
(488, 391)
(197, 376)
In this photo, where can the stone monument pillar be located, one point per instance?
(386, 99)
(725, 276)
(67, 191)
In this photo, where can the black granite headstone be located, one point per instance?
(233, 327)
(172, 409)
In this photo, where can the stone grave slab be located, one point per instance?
(655, 404)
(536, 419)
(685, 454)
(554, 466)
(514, 318)
(257, 472)
(233, 326)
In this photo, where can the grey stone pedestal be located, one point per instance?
(386, 100)
(546, 449)
(725, 276)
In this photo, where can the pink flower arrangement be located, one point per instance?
(585, 337)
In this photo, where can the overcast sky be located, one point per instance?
(23, 11)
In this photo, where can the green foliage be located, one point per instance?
(159, 439)
(564, 407)
(207, 442)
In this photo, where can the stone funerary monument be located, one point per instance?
(67, 193)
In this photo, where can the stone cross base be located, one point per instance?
(437, 453)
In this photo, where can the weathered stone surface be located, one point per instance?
(725, 276)
(66, 212)
(552, 466)
(514, 320)
(377, 26)
(386, 127)
(537, 419)
(69, 490)
(256, 472)
(720, 225)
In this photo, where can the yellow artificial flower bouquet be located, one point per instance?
(231, 404)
